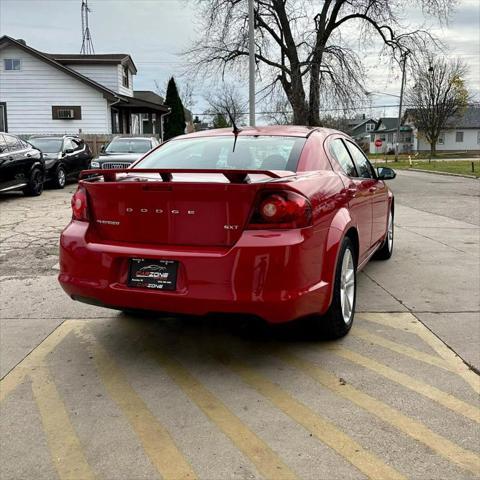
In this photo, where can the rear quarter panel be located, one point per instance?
(331, 216)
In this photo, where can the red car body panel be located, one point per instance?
(278, 275)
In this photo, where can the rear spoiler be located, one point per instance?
(233, 176)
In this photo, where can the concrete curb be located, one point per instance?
(440, 173)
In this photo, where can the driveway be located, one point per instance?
(91, 393)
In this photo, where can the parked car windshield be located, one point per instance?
(251, 153)
(47, 145)
(128, 145)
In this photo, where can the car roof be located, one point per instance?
(133, 138)
(56, 137)
(268, 130)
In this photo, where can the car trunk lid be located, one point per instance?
(197, 208)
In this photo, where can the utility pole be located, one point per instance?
(397, 142)
(251, 62)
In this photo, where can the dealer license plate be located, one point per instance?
(154, 274)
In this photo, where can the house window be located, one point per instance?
(441, 139)
(459, 137)
(66, 113)
(125, 77)
(3, 117)
(369, 127)
(115, 122)
(11, 63)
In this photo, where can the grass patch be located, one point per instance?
(423, 156)
(456, 166)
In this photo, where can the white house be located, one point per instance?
(44, 93)
(461, 133)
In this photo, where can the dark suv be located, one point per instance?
(122, 151)
(65, 157)
(21, 166)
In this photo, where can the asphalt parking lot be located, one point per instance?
(93, 393)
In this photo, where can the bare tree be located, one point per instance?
(302, 46)
(227, 102)
(438, 95)
(336, 122)
(277, 109)
(187, 93)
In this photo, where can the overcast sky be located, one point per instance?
(154, 32)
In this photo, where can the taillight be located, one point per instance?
(79, 205)
(283, 209)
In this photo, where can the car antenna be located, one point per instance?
(235, 130)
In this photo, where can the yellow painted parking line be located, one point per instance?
(445, 399)
(464, 458)
(35, 358)
(65, 448)
(400, 348)
(406, 321)
(155, 439)
(255, 449)
(325, 431)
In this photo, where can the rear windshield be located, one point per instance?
(128, 145)
(251, 153)
(47, 145)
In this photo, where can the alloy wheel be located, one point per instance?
(347, 286)
(61, 177)
(390, 231)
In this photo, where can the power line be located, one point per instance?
(183, 62)
(273, 112)
(322, 110)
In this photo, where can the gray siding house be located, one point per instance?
(43, 93)
(461, 133)
(361, 132)
(386, 131)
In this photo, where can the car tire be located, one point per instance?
(339, 318)
(34, 187)
(60, 178)
(386, 250)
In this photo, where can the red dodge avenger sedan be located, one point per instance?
(273, 222)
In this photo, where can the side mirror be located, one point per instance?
(102, 148)
(385, 173)
(69, 150)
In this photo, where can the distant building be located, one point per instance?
(350, 123)
(386, 131)
(61, 93)
(189, 125)
(461, 133)
(359, 128)
(361, 132)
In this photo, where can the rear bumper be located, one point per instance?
(275, 276)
